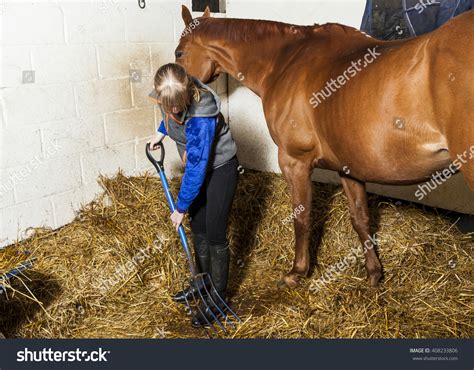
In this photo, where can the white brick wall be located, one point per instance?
(32, 104)
(32, 23)
(60, 63)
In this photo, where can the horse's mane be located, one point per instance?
(248, 30)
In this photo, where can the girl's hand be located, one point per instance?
(155, 140)
(177, 219)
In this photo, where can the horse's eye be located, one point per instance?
(178, 54)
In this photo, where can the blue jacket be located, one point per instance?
(200, 136)
(203, 140)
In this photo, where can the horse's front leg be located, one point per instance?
(297, 173)
(359, 210)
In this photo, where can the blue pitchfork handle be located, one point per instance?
(169, 197)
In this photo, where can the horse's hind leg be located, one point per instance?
(359, 210)
(298, 176)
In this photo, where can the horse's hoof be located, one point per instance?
(290, 280)
(374, 279)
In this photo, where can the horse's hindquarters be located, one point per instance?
(453, 90)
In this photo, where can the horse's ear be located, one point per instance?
(207, 12)
(186, 14)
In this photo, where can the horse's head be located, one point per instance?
(191, 53)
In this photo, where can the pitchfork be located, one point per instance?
(12, 273)
(212, 301)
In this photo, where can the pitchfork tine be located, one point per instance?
(196, 302)
(193, 312)
(224, 302)
(214, 303)
(217, 305)
(207, 305)
(186, 298)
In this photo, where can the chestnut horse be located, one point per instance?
(387, 112)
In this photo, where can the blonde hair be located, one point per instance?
(175, 88)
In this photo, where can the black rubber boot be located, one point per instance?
(202, 258)
(202, 252)
(220, 258)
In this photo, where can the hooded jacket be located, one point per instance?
(203, 140)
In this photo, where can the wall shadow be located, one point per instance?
(16, 310)
(243, 230)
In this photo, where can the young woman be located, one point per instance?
(192, 118)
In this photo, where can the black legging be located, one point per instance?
(209, 216)
(209, 212)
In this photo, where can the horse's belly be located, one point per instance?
(414, 172)
(386, 133)
(415, 164)
(379, 150)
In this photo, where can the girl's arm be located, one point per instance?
(199, 137)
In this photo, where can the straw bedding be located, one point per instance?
(110, 272)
